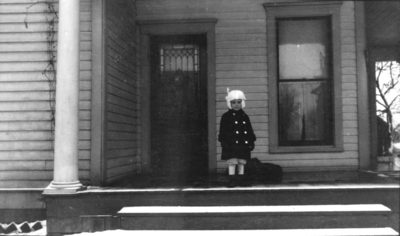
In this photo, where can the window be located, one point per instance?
(304, 77)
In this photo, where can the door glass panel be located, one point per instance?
(182, 57)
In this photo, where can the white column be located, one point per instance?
(67, 102)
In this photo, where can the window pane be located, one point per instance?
(303, 48)
(182, 57)
(304, 113)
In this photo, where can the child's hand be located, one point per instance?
(251, 146)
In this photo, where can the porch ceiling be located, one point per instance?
(382, 22)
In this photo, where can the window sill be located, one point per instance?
(307, 149)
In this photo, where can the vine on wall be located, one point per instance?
(49, 72)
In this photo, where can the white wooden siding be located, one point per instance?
(26, 146)
(122, 148)
(241, 56)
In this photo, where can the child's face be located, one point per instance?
(236, 104)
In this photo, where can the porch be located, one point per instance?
(96, 208)
(72, 209)
(292, 179)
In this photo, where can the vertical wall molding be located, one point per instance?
(364, 142)
(98, 115)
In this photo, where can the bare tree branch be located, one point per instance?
(387, 82)
(380, 103)
(394, 100)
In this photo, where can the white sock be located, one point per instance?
(232, 168)
(241, 169)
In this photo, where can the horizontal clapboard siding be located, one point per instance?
(122, 148)
(241, 56)
(26, 139)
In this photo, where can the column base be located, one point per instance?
(63, 188)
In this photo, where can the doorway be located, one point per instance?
(178, 106)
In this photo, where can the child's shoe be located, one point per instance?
(231, 181)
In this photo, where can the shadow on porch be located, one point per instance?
(144, 181)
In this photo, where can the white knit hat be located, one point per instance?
(235, 94)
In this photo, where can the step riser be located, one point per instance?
(102, 223)
(111, 203)
(64, 212)
(252, 222)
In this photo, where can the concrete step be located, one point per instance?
(64, 213)
(253, 217)
(291, 209)
(279, 232)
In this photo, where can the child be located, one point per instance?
(236, 135)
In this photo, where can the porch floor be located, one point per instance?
(291, 179)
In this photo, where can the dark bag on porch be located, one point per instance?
(255, 170)
(274, 172)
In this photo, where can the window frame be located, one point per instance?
(294, 10)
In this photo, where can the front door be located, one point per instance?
(178, 106)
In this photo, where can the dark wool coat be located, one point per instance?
(236, 135)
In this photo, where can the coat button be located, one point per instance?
(237, 132)
(236, 122)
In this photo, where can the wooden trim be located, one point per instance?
(364, 132)
(98, 114)
(145, 102)
(305, 149)
(300, 10)
(170, 27)
(371, 59)
(212, 114)
(179, 22)
(337, 78)
(300, 3)
(272, 82)
(384, 53)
